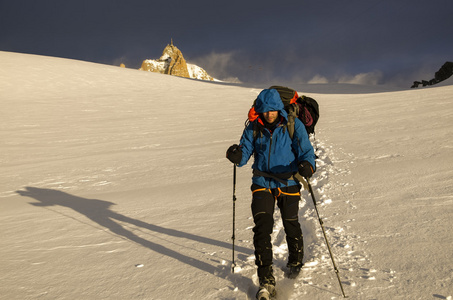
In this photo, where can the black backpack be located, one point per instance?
(305, 108)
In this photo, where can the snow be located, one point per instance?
(196, 72)
(160, 65)
(115, 186)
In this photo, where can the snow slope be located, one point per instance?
(114, 185)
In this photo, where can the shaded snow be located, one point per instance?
(115, 186)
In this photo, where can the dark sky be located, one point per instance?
(380, 42)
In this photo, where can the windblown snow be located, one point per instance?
(114, 185)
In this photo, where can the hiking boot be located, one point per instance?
(266, 291)
(294, 269)
(267, 283)
(296, 256)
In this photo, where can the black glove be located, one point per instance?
(234, 154)
(306, 169)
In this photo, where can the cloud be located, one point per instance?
(370, 78)
(318, 79)
(219, 65)
(243, 66)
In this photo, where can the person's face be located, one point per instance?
(270, 116)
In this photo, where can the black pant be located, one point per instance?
(263, 204)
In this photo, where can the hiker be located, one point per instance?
(277, 158)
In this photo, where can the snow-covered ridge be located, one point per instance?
(115, 186)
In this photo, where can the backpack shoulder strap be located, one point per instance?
(256, 130)
(293, 112)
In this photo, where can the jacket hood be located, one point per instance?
(269, 100)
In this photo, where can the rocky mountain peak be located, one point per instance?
(172, 62)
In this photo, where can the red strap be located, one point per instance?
(253, 115)
(294, 99)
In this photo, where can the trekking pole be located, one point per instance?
(325, 237)
(234, 214)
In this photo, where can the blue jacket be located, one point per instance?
(275, 153)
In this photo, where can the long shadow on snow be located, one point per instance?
(99, 212)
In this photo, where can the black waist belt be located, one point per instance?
(283, 177)
(280, 177)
